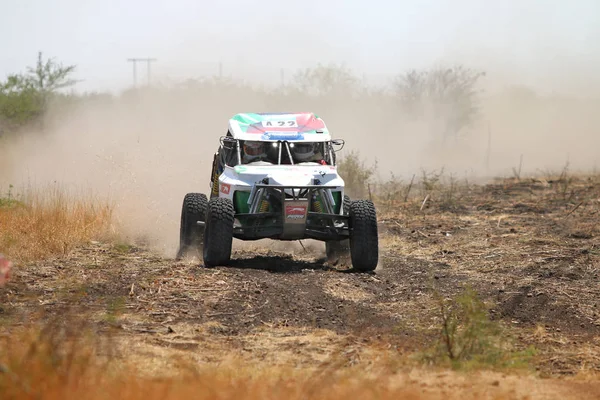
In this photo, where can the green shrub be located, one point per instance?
(356, 174)
(9, 200)
(24, 98)
(468, 338)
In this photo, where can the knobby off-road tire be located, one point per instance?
(346, 205)
(336, 249)
(191, 235)
(364, 242)
(218, 233)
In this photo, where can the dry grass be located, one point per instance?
(58, 361)
(46, 222)
(531, 244)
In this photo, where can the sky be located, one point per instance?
(550, 45)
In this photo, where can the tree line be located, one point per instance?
(451, 94)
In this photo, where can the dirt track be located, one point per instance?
(534, 257)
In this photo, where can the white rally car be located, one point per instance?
(275, 176)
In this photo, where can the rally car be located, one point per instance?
(274, 176)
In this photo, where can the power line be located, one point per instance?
(134, 61)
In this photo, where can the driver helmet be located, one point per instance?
(303, 151)
(254, 150)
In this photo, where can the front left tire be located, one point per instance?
(218, 233)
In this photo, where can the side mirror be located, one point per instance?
(227, 142)
(338, 142)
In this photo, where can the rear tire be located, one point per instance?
(218, 233)
(191, 235)
(364, 241)
(336, 249)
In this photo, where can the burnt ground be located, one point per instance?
(530, 248)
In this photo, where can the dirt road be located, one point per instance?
(534, 257)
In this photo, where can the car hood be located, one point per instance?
(295, 175)
(292, 178)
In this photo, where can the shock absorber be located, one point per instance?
(264, 206)
(317, 206)
(215, 188)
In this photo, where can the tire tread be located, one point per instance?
(219, 232)
(364, 241)
(191, 235)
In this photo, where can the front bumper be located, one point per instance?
(291, 218)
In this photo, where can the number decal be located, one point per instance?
(280, 124)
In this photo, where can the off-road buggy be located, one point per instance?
(275, 176)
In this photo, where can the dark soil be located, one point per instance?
(534, 259)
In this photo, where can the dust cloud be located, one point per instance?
(143, 150)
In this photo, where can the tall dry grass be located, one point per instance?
(57, 361)
(38, 223)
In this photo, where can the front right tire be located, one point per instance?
(218, 232)
(364, 241)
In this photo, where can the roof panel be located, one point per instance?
(304, 126)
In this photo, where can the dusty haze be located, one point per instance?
(146, 149)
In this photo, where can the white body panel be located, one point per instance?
(244, 177)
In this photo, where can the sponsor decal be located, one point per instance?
(283, 136)
(225, 188)
(295, 212)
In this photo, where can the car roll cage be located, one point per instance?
(229, 144)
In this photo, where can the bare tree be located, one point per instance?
(448, 95)
(325, 80)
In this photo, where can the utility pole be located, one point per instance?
(134, 61)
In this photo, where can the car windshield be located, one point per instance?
(285, 153)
